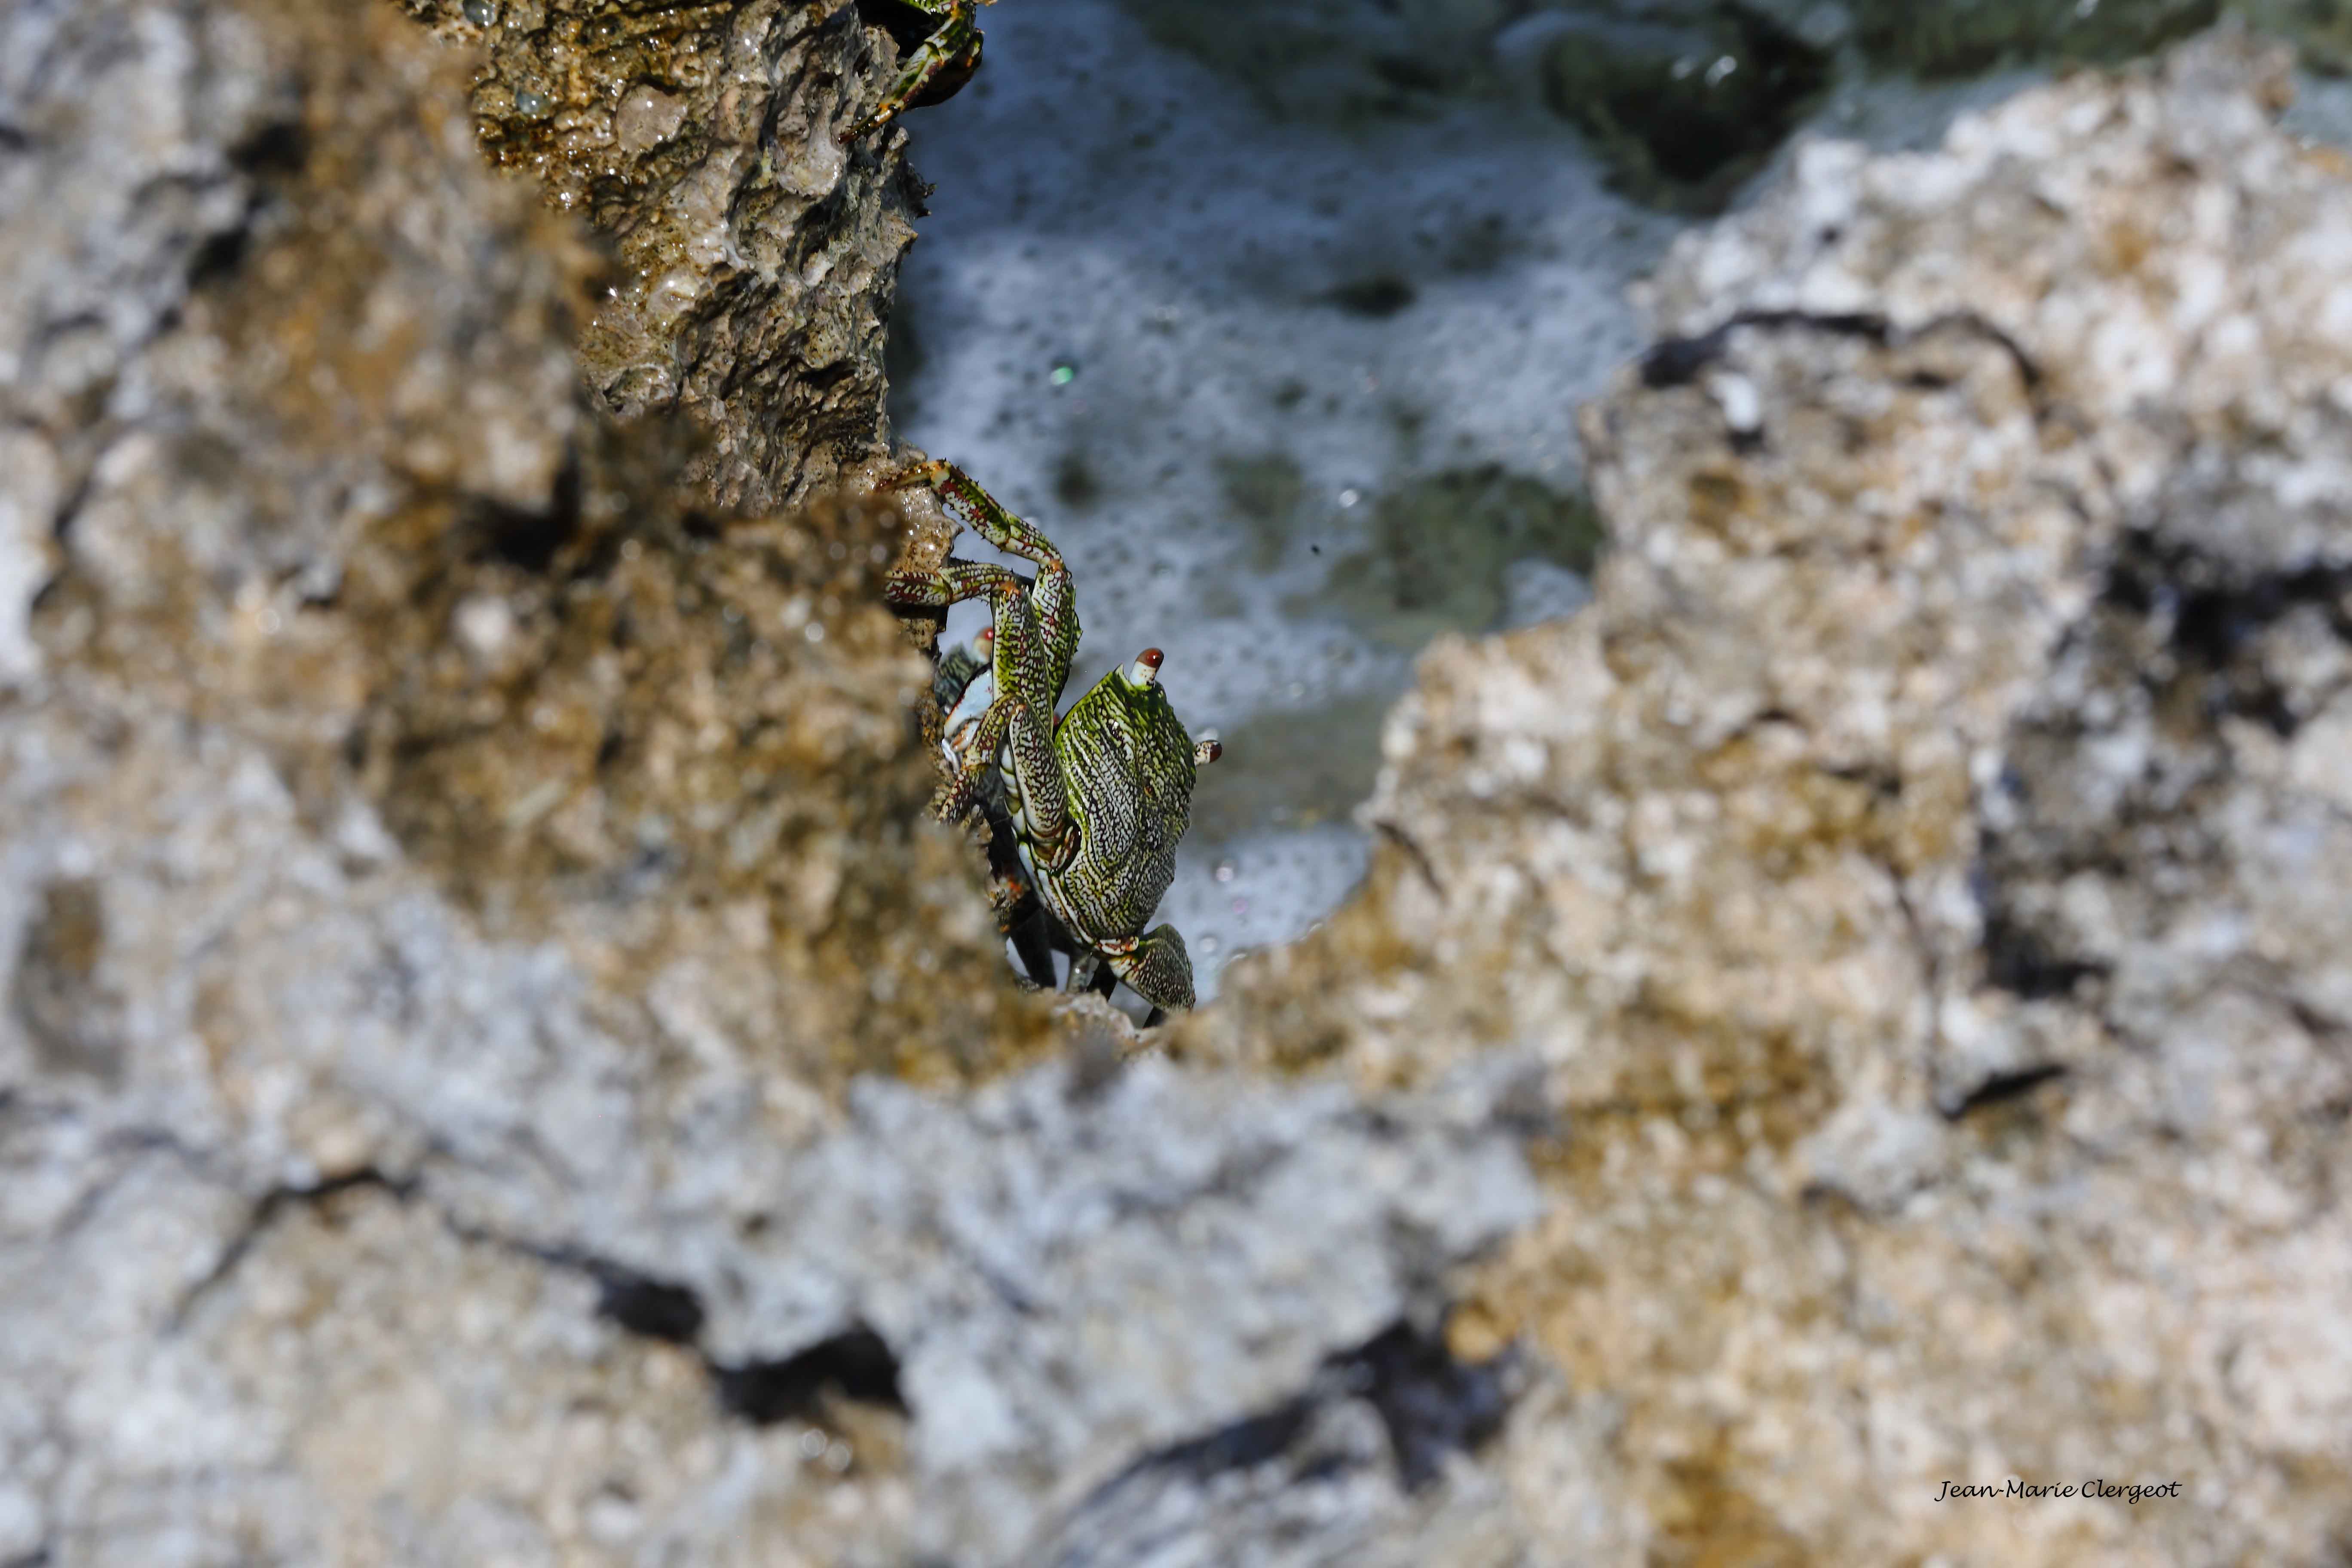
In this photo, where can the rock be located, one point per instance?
(1917, 870)
(1683, 108)
(754, 255)
(494, 1065)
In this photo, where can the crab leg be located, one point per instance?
(955, 43)
(998, 526)
(953, 582)
(1035, 633)
(988, 739)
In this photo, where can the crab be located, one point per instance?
(935, 68)
(1093, 801)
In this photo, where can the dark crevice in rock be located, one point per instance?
(2005, 1086)
(39, 1557)
(631, 1298)
(266, 1209)
(1679, 362)
(1241, 1445)
(2020, 961)
(2181, 640)
(907, 25)
(1429, 1403)
(855, 1364)
(1397, 836)
(531, 539)
(69, 508)
(221, 255)
(2208, 619)
(280, 147)
(1883, 780)
(276, 151)
(657, 1309)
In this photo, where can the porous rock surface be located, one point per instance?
(494, 1065)
(753, 253)
(1921, 872)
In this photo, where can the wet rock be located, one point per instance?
(1683, 108)
(1917, 867)
(753, 257)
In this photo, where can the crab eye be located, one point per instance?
(1207, 751)
(1146, 667)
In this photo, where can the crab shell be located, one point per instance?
(1128, 769)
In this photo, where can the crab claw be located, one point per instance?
(1155, 967)
(1146, 667)
(1207, 751)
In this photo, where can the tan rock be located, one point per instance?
(1920, 869)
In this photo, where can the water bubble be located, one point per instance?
(814, 631)
(1351, 495)
(1224, 870)
(1241, 906)
(813, 1444)
(531, 103)
(481, 13)
(1209, 946)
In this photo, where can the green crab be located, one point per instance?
(1093, 802)
(935, 68)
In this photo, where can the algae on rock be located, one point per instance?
(1683, 108)
(1937, 38)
